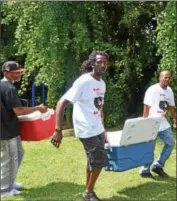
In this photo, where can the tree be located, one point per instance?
(166, 42)
(56, 37)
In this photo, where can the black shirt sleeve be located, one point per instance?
(11, 98)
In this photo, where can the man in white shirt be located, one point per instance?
(87, 97)
(158, 100)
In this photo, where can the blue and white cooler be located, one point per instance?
(133, 146)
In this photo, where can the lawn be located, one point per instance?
(51, 174)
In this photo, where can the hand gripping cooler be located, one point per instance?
(133, 146)
(37, 126)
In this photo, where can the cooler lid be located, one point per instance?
(36, 115)
(135, 131)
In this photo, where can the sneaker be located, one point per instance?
(147, 175)
(11, 193)
(18, 186)
(96, 196)
(160, 172)
(90, 197)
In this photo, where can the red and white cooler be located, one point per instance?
(37, 126)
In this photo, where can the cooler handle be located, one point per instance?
(108, 147)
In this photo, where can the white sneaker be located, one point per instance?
(18, 186)
(11, 193)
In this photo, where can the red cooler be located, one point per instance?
(37, 126)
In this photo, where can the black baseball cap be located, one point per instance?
(11, 66)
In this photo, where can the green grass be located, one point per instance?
(51, 174)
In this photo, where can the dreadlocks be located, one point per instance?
(86, 67)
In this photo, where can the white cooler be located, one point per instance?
(134, 145)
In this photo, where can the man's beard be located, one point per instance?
(99, 70)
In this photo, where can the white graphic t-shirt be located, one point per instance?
(87, 96)
(159, 99)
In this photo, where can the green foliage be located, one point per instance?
(8, 25)
(134, 62)
(166, 42)
(54, 38)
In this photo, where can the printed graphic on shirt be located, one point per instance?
(163, 105)
(98, 102)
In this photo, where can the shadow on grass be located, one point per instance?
(158, 190)
(54, 191)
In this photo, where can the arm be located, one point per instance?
(146, 111)
(173, 114)
(28, 110)
(60, 108)
(60, 113)
(13, 102)
(148, 101)
(71, 96)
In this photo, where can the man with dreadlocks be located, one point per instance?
(87, 95)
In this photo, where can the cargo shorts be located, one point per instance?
(96, 155)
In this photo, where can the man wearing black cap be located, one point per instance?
(11, 147)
